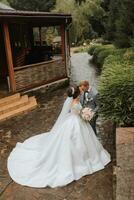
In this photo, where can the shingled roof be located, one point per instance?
(21, 13)
(10, 14)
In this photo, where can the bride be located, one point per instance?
(66, 153)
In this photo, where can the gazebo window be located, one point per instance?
(36, 34)
(49, 38)
(32, 44)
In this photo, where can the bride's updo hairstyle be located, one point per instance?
(73, 92)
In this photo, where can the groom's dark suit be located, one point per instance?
(89, 99)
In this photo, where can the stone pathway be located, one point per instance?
(98, 186)
(82, 69)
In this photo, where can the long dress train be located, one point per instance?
(66, 153)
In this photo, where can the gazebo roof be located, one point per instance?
(19, 13)
(34, 17)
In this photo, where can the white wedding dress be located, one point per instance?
(66, 153)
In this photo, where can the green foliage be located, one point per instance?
(101, 48)
(92, 48)
(120, 56)
(81, 49)
(115, 58)
(4, 1)
(100, 52)
(81, 12)
(34, 5)
(120, 23)
(116, 88)
(105, 4)
(110, 20)
(103, 54)
(116, 82)
(79, 2)
(125, 24)
(129, 55)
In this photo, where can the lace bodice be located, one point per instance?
(75, 109)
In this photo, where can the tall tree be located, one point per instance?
(124, 36)
(4, 1)
(81, 12)
(33, 5)
(120, 23)
(110, 20)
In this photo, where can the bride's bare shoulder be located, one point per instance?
(75, 102)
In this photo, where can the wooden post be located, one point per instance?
(63, 42)
(67, 53)
(9, 57)
(63, 47)
(40, 36)
(30, 37)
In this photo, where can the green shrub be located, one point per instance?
(115, 58)
(119, 52)
(120, 56)
(116, 83)
(92, 48)
(129, 55)
(81, 49)
(117, 90)
(102, 48)
(98, 50)
(100, 53)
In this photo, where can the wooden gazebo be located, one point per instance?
(27, 56)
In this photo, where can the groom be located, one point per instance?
(88, 98)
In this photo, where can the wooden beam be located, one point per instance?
(9, 57)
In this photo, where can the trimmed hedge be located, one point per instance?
(92, 48)
(116, 88)
(100, 52)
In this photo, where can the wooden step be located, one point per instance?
(9, 99)
(12, 106)
(25, 108)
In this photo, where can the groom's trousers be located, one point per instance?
(93, 122)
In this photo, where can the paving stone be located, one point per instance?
(125, 164)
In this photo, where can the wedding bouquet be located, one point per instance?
(87, 114)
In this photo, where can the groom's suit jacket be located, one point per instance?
(89, 99)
